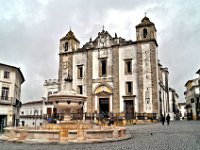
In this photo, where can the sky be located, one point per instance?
(30, 31)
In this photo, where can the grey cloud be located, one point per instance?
(30, 33)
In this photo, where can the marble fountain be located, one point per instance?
(67, 101)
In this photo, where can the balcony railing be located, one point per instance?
(31, 116)
(10, 101)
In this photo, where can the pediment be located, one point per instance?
(103, 89)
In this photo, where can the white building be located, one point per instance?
(50, 87)
(11, 79)
(173, 104)
(167, 96)
(182, 109)
(192, 96)
(31, 114)
(34, 113)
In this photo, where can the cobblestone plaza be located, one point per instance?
(179, 135)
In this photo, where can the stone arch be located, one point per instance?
(103, 87)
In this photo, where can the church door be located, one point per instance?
(104, 107)
(129, 109)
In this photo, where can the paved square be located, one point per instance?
(179, 135)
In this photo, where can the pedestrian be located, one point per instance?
(168, 119)
(162, 119)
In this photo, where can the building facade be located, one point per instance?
(116, 75)
(31, 114)
(50, 87)
(11, 79)
(192, 96)
(182, 109)
(173, 105)
(35, 113)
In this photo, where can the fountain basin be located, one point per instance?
(66, 133)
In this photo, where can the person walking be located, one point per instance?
(168, 119)
(162, 119)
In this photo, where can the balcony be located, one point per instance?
(31, 116)
(10, 101)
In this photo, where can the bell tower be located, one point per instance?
(146, 31)
(68, 45)
(147, 66)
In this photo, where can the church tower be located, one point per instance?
(147, 66)
(68, 45)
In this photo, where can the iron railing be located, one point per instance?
(10, 101)
(116, 117)
(31, 116)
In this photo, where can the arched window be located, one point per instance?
(144, 32)
(66, 46)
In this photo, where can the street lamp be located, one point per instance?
(35, 111)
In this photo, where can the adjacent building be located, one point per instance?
(168, 97)
(192, 96)
(50, 87)
(182, 110)
(35, 113)
(11, 79)
(31, 114)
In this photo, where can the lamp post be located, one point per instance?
(35, 111)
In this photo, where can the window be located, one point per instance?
(80, 89)
(4, 93)
(128, 87)
(197, 99)
(6, 74)
(147, 100)
(49, 93)
(55, 92)
(103, 67)
(128, 66)
(23, 123)
(144, 33)
(66, 46)
(80, 71)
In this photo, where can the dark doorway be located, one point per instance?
(14, 123)
(2, 122)
(129, 109)
(198, 110)
(23, 123)
(49, 112)
(104, 107)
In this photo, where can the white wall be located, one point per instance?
(127, 52)
(29, 110)
(14, 84)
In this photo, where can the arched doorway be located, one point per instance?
(103, 99)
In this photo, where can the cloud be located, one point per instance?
(30, 33)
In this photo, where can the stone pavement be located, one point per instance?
(179, 135)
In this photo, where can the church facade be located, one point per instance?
(116, 75)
